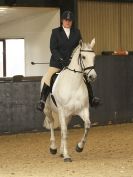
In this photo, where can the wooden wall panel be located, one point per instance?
(108, 22)
(127, 26)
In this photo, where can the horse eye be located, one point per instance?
(83, 57)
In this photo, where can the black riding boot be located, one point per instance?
(94, 101)
(44, 94)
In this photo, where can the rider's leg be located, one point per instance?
(46, 87)
(94, 101)
(44, 94)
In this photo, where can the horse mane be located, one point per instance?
(74, 51)
(84, 46)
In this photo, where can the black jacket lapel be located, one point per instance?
(72, 34)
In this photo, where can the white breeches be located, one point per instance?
(47, 77)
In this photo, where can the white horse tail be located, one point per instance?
(55, 121)
(51, 117)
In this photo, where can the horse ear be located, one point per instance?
(81, 43)
(92, 43)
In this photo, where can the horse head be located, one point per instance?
(87, 59)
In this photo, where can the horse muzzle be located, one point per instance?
(92, 77)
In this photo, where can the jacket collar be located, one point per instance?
(63, 32)
(61, 29)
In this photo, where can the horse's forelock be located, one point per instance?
(86, 46)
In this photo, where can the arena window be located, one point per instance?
(12, 57)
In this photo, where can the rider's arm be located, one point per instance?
(54, 46)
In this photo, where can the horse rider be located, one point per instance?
(63, 41)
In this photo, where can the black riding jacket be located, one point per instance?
(62, 47)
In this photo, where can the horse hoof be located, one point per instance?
(78, 149)
(67, 160)
(53, 151)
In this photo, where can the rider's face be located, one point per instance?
(67, 23)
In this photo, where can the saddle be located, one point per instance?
(53, 78)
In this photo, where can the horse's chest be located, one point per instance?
(77, 103)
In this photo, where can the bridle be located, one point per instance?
(80, 61)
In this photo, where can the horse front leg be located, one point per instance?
(64, 136)
(85, 116)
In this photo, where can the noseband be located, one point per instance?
(80, 61)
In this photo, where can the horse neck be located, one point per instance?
(76, 77)
(74, 62)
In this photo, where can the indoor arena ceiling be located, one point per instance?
(8, 14)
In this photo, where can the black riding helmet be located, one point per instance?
(67, 15)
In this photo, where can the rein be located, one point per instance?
(75, 71)
(80, 61)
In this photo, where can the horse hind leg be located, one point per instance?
(53, 148)
(85, 116)
(49, 123)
